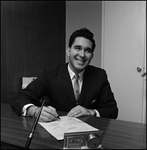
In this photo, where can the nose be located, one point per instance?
(82, 53)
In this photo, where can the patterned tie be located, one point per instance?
(76, 86)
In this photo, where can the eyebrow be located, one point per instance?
(79, 46)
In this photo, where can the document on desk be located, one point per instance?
(66, 124)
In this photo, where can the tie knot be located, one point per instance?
(76, 76)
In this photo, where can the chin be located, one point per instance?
(81, 67)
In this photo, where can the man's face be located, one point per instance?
(80, 54)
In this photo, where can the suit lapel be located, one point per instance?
(87, 83)
(66, 82)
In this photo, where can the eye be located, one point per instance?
(78, 47)
(88, 51)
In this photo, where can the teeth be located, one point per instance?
(80, 60)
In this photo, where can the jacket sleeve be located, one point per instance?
(107, 103)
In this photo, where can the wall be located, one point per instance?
(85, 14)
(32, 39)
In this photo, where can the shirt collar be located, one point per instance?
(71, 73)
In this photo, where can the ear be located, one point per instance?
(68, 51)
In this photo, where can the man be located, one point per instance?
(93, 94)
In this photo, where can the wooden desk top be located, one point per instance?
(118, 134)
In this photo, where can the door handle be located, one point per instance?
(139, 69)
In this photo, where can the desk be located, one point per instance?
(118, 134)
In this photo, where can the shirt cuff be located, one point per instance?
(97, 113)
(24, 110)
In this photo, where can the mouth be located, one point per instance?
(80, 61)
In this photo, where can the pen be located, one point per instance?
(54, 116)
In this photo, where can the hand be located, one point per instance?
(48, 113)
(80, 111)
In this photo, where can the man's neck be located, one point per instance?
(75, 71)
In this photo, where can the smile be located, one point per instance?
(81, 61)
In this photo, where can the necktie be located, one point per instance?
(76, 86)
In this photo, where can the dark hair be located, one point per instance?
(84, 32)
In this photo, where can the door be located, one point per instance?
(123, 52)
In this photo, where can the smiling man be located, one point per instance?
(80, 54)
(75, 87)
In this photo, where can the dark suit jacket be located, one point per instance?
(56, 84)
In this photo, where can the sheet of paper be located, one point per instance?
(65, 125)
